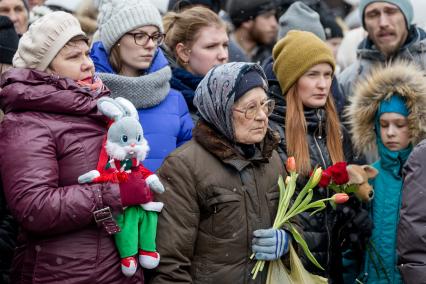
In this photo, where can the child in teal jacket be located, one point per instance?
(386, 114)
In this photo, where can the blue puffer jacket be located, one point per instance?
(166, 125)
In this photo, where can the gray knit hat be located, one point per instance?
(44, 39)
(404, 5)
(302, 18)
(117, 17)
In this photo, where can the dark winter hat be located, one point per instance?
(178, 5)
(404, 5)
(331, 27)
(9, 40)
(250, 80)
(244, 10)
(215, 94)
(302, 18)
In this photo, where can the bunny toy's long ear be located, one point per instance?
(128, 107)
(110, 108)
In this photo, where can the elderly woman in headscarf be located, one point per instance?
(221, 187)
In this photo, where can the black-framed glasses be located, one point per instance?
(142, 38)
(252, 108)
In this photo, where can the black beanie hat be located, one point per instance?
(9, 40)
(240, 11)
(250, 80)
(331, 27)
(178, 5)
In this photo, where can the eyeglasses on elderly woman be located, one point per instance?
(252, 109)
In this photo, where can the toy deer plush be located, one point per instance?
(123, 152)
(360, 175)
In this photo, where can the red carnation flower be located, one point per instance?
(338, 173)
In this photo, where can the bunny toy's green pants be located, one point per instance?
(138, 230)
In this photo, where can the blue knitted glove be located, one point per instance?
(270, 244)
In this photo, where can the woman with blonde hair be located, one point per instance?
(197, 40)
(311, 132)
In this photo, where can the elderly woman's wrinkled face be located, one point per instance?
(73, 62)
(250, 126)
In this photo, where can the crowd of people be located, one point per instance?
(226, 92)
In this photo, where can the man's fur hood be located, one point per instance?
(400, 77)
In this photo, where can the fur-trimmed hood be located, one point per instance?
(399, 77)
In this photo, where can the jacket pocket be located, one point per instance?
(60, 261)
(225, 207)
(273, 196)
(201, 271)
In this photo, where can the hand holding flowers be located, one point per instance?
(287, 211)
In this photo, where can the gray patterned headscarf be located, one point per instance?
(214, 96)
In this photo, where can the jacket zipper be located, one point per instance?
(319, 129)
(325, 166)
(247, 272)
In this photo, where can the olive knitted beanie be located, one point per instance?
(297, 52)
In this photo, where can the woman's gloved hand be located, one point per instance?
(270, 244)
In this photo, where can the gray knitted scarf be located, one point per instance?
(214, 96)
(144, 91)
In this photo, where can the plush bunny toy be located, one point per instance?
(120, 161)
